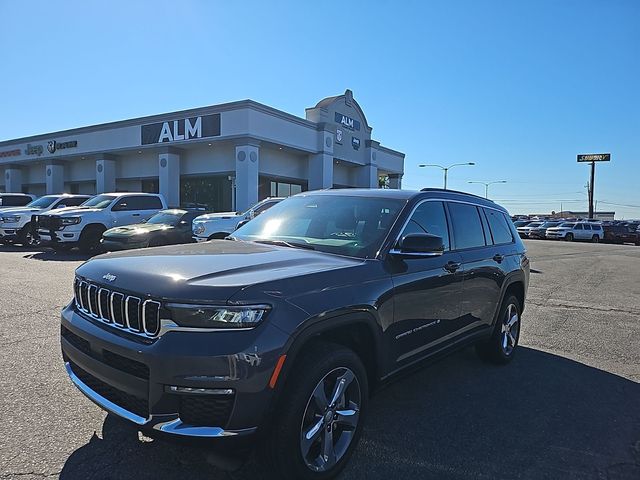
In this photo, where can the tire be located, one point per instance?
(90, 239)
(502, 345)
(27, 237)
(595, 239)
(569, 237)
(303, 408)
(218, 236)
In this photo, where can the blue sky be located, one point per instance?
(518, 87)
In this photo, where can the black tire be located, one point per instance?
(282, 449)
(27, 237)
(494, 349)
(90, 239)
(595, 239)
(218, 236)
(569, 237)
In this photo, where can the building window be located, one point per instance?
(281, 189)
(150, 186)
(210, 192)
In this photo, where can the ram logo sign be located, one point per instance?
(184, 129)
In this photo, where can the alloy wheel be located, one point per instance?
(510, 329)
(330, 419)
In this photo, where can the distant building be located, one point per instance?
(596, 215)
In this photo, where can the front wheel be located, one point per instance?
(569, 237)
(90, 239)
(27, 237)
(501, 347)
(319, 420)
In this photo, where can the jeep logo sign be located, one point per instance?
(179, 130)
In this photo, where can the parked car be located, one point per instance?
(83, 226)
(16, 225)
(281, 332)
(219, 225)
(15, 199)
(522, 223)
(167, 227)
(621, 234)
(541, 231)
(525, 229)
(570, 231)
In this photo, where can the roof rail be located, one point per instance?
(431, 189)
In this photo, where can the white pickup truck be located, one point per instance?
(83, 226)
(218, 225)
(15, 222)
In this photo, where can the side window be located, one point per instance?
(429, 217)
(578, 226)
(467, 227)
(73, 201)
(139, 202)
(123, 204)
(263, 207)
(500, 230)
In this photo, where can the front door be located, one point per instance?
(427, 291)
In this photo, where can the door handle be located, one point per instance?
(452, 266)
(498, 258)
(135, 214)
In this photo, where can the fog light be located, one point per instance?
(199, 391)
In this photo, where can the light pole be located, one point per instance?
(486, 186)
(445, 169)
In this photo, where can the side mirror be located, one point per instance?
(419, 245)
(243, 222)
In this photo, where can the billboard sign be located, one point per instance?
(594, 157)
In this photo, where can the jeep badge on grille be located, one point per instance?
(109, 277)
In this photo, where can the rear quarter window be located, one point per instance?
(499, 226)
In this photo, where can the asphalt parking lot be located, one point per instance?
(567, 407)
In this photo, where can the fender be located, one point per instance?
(513, 277)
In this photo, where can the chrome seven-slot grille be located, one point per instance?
(127, 312)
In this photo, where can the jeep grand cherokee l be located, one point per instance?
(281, 332)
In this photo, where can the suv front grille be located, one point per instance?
(46, 222)
(127, 312)
(206, 410)
(139, 406)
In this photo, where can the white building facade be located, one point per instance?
(226, 157)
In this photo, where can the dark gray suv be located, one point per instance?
(281, 332)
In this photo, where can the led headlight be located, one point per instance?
(198, 228)
(70, 220)
(11, 219)
(209, 316)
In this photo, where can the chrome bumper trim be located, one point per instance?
(174, 426)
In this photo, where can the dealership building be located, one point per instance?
(226, 156)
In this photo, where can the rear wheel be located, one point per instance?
(569, 237)
(595, 239)
(501, 347)
(319, 420)
(90, 239)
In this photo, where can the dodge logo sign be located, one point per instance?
(51, 146)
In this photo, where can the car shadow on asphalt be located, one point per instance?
(46, 254)
(542, 416)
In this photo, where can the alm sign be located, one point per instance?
(179, 130)
(347, 122)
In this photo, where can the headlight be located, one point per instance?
(208, 316)
(198, 228)
(70, 220)
(11, 219)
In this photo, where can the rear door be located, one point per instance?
(481, 263)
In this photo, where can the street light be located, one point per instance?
(445, 169)
(486, 186)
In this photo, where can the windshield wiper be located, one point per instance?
(283, 243)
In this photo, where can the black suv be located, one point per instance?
(281, 332)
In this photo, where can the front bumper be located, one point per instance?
(554, 235)
(226, 375)
(111, 246)
(199, 239)
(9, 234)
(58, 236)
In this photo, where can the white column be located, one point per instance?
(55, 178)
(13, 180)
(105, 175)
(367, 175)
(247, 166)
(169, 178)
(321, 163)
(395, 180)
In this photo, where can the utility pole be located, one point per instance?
(593, 174)
(592, 158)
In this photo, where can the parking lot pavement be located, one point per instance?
(567, 407)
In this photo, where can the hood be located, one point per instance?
(559, 228)
(18, 210)
(220, 215)
(211, 271)
(72, 211)
(137, 229)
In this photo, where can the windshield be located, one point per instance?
(568, 225)
(340, 224)
(101, 201)
(549, 224)
(43, 202)
(167, 218)
(534, 224)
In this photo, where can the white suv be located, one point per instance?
(570, 231)
(83, 226)
(219, 225)
(15, 223)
